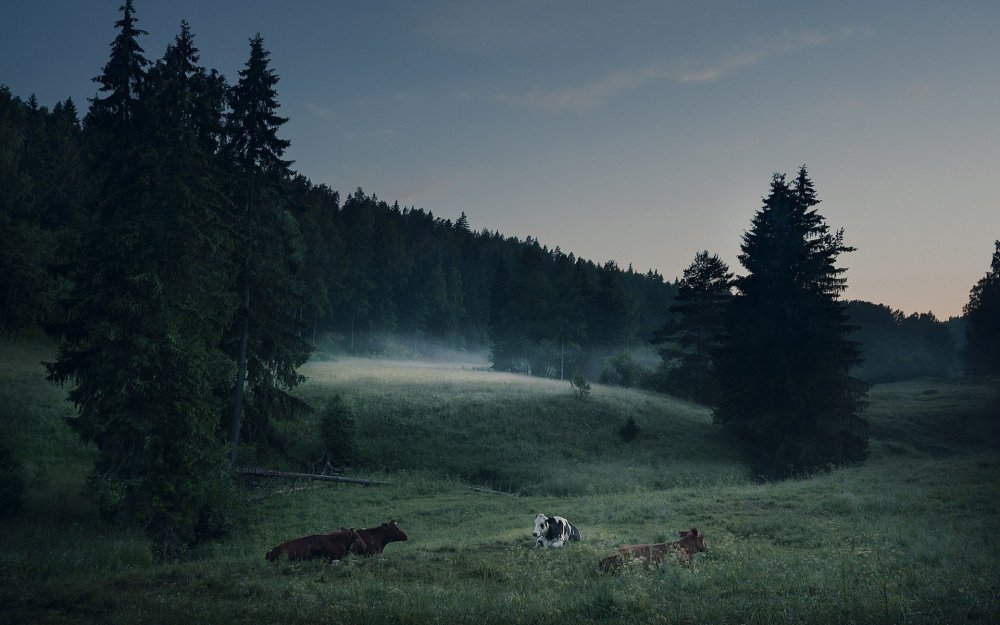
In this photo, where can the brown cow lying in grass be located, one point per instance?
(332, 546)
(376, 538)
(653, 554)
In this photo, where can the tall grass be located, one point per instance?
(908, 537)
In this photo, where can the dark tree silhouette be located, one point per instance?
(140, 329)
(784, 365)
(123, 79)
(690, 338)
(265, 341)
(896, 346)
(982, 314)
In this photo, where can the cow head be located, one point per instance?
(693, 541)
(393, 532)
(541, 525)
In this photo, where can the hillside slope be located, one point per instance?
(529, 435)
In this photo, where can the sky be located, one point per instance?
(640, 132)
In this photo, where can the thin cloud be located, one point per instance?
(321, 111)
(595, 94)
(382, 134)
(371, 135)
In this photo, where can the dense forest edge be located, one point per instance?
(186, 273)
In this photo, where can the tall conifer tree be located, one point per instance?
(117, 113)
(108, 321)
(143, 323)
(265, 339)
(784, 366)
(693, 336)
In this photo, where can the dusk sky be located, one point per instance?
(642, 132)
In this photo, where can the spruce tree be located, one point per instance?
(694, 334)
(982, 316)
(264, 340)
(616, 310)
(567, 324)
(117, 114)
(109, 328)
(502, 327)
(784, 365)
(140, 334)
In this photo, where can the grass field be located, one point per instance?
(911, 536)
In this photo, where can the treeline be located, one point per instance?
(366, 271)
(369, 271)
(377, 273)
(896, 346)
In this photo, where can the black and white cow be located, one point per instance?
(553, 531)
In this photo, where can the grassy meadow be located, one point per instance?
(910, 536)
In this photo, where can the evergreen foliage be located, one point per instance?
(690, 338)
(265, 338)
(139, 331)
(784, 365)
(630, 431)
(118, 115)
(622, 370)
(982, 314)
(896, 346)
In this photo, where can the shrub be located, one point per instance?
(622, 370)
(337, 431)
(580, 385)
(629, 431)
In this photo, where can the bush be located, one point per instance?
(580, 385)
(337, 431)
(622, 370)
(11, 482)
(629, 431)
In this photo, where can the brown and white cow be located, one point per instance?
(376, 538)
(653, 554)
(332, 546)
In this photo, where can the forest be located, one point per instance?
(185, 272)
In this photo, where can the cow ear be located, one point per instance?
(694, 532)
(682, 534)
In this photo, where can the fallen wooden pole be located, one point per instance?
(488, 490)
(306, 476)
(284, 491)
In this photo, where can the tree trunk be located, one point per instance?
(128, 511)
(562, 357)
(241, 364)
(241, 378)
